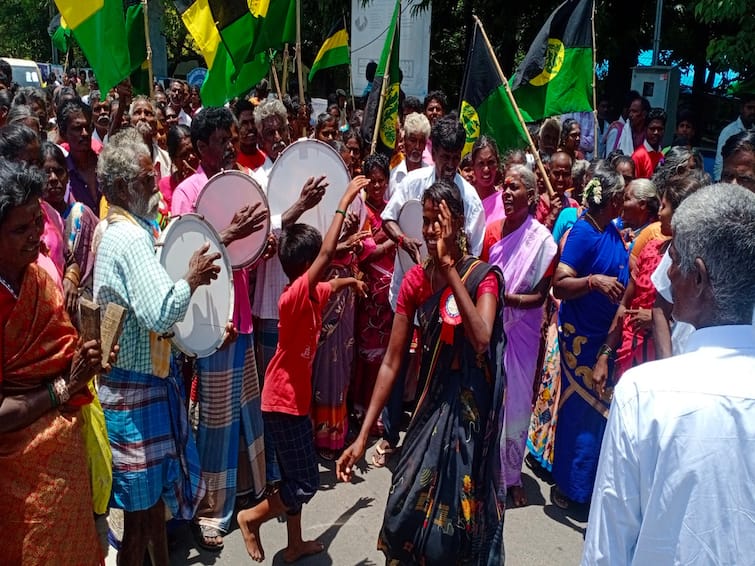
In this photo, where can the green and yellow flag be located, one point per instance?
(556, 75)
(137, 46)
(233, 36)
(334, 51)
(387, 74)
(485, 106)
(99, 28)
(60, 33)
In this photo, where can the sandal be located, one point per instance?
(383, 450)
(205, 534)
(559, 499)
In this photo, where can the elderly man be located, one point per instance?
(674, 482)
(176, 99)
(153, 465)
(144, 121)
(745, 122)
(416, 134)
(229, 436)
(75, 129)
(448, 138)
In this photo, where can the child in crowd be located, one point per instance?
(287, 392)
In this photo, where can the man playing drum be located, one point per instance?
(153, 465)
(230, 433)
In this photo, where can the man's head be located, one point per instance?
(638, 112)
(298, 247)
(244, 111)
(5, 103)
(212, 134)
(448, 137)
(36, 100)
(101, 108)
(176, 96)
(410, 105)
(271, 120)
(416, 132)
(75, 125)
(20, 143)
(686, 125)
(656, 127)
(713, 257)
(126, 174)
(739, 160)
(747, 109)
(435, 105)
(549, 135)
(630, 97)
(560, 172)
(143, 119)
(6, 74)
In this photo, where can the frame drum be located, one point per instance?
(298, 162)
(410, 222)
(202, 330)
(223, 195)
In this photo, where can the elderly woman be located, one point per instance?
(486, 164)
(443, 503)
(640, 215)
(524, 250)
(45, 494)
(630, 340)
(590, 281)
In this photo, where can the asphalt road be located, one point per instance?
(347, 517)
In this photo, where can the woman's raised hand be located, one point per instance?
(444, 232)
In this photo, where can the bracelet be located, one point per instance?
(400, 241)
(341, 212)
(61, 390)
(606, 350)
(51, 393)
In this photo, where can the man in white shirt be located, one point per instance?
(746, 121)
(176, 98)
(416, 133)
(674, 483)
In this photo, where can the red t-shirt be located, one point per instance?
(250, 161)
(415, 290)
(288, 381)
(645, 162)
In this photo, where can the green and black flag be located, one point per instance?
(334, 50)
(556, 75)
(60, 33)
(387, 74)
(485, 107)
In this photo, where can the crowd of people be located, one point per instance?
(517, 330)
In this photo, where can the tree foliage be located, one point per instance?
(732, 41)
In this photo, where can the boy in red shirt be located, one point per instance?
(287, 392)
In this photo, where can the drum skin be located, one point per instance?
(410, 222)
(202, 330)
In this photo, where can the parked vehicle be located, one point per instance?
(25, 72)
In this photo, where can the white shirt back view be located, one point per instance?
(676, 479)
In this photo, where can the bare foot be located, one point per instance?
(250, 530)
(306, 548)
(518, 495)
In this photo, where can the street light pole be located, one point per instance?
(657, 31)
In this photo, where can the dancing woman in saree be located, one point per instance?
(443, 506)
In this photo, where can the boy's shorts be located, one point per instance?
(292, 438)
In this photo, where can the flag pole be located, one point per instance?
(594, 86)
(149, 51)
(285, 67)
(504, 80)
(298, 61)
(351, 77)
(384, 86)
(275, 78)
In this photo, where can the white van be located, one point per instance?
(25, 72)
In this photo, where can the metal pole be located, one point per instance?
(149, 51)
(657, 31)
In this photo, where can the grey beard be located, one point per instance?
(143, 207)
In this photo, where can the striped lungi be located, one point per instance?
(230, 433)
(154, 455)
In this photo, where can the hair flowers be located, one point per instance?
(593, 192)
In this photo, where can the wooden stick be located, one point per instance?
(285, 68)
(275, 78)
(384, 86)
(351, 77)
(298, 62)
(510, 94)
(149, 51)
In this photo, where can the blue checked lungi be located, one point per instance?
(154, 456)
(292, 439)
(230, 432)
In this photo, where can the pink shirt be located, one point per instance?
(185, 200)
(288, 380)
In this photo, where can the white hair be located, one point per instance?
(267, 109)
(717, 225)
(119, 159)
(416, 123)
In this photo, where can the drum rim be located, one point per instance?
(224, 257)
(267, 223)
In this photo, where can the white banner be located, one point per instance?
(368, 29)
